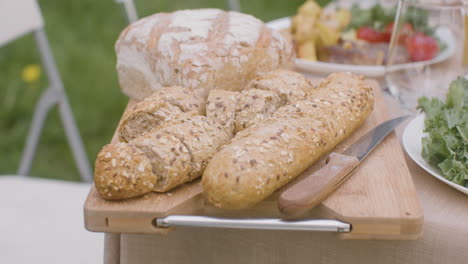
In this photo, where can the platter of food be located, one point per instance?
(436, 141)
(341, 43)
(220, 127)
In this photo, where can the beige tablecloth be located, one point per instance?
(444, 239)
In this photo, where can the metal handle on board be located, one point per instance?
(255, 223)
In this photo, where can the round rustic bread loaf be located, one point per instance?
(199, 49)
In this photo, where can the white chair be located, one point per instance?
(42, 220)
(132, 14)
(16, 19)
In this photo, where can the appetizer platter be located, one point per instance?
(218, 126)
(332, 39)
(436, 140)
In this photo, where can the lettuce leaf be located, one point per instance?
(378, 17)
(446, 125)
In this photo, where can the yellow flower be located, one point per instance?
(31, 73)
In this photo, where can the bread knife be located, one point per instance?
(316, 187)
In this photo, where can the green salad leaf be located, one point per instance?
(418, 18)
(446, 125)
(378, 17)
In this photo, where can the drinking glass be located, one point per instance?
(435, 47)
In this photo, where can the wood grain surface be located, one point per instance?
(379, 199)
(316, 187)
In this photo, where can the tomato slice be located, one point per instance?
(370, 35)
(406, 31)
(421, 47)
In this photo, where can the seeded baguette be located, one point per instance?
(269, 154)
(168, 157)
(168, 104)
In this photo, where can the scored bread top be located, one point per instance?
(198, 49)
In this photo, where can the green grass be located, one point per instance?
(82, 35)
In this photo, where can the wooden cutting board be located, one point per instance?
(379, 200)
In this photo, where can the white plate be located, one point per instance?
(368, 70)
(412, 143)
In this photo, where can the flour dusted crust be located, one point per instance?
(168, 104)
(122, 171)
(267, 155)
(198, 49)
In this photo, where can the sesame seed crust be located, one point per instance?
(170, 158)
(122, 171)
(171, 143)
(236, 111)
(202, 138)
(181, 149)
(270, 153)
(221, 107)
(255, 105)
(290, 86)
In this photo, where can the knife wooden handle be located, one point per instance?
(314, 188)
